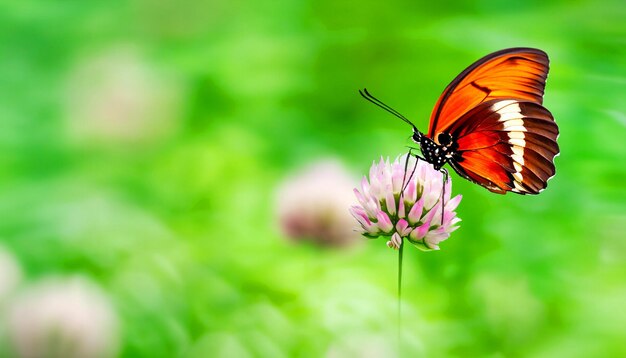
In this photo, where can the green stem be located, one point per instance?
(401, 249)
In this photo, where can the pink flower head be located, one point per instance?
(415, 213)
(311, 205)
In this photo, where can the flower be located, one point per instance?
(117, 97)
(312, 205)
(10, 274)
(414, 213)
(63, 318)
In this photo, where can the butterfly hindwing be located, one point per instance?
(506, 145)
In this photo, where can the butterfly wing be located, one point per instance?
(506, 145)
(516, 73)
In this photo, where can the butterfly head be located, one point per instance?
(417, 136)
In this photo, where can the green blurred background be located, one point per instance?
(141, 145)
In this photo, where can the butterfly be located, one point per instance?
(490, 125)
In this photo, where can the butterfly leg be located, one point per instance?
(406, 165)
(406, 182)
(443, 191)
(414, 167)
(415, 155)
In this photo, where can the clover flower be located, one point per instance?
(118, 97)
(414, 214)
(62, 317)
(311, 205)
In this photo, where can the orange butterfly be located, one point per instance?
(490, 126)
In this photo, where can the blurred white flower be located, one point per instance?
(10, 274)
(62, 318)
(416, 213)
(119, 97)
(362, 346)
(313, 205)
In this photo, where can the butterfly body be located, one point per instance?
(490, 125)
(438, 154)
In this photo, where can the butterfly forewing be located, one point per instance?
(518, 73)
(506, 145)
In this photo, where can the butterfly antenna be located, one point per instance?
(384, 106)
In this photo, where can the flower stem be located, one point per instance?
(401, 249)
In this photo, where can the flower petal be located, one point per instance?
(384, 223)
(433, 239)
(403, 228)
(410, 192)
(365, 185)
(397, 177)
(401, 211)
(453, 203)
(361, 216)
(420, 232)
(395, 241)
(416, 212)
(360, 197)
(391, 203)
(434, 215)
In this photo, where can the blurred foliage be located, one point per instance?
(175, 218)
